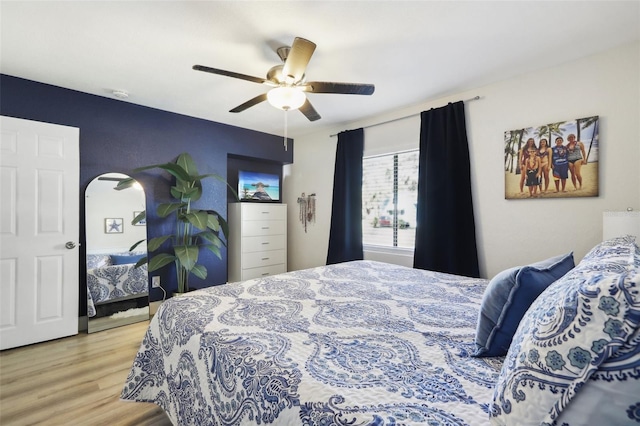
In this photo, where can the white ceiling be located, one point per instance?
(412, 51)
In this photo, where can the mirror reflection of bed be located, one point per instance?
(117, 291)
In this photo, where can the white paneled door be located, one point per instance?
(39, 209)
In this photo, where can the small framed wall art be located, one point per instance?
(113, 225)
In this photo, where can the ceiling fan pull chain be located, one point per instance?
(285, 128)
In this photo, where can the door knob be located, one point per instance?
(70, 245)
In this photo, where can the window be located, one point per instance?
(389, 199)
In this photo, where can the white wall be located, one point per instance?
(509, 232)
(103, 202)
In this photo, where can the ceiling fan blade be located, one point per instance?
(250, 103)
(343, 88)
(298, 58)
(309, 111)
(231, 74)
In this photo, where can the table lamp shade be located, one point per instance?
(616, 224)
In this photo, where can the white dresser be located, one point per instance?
(257, 240)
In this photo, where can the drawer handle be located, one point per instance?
(265, 227)
(265, 258)
(265, 274)
(264, 244)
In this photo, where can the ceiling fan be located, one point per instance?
(288, 81)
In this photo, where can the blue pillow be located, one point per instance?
(125, 259)
(507, 298)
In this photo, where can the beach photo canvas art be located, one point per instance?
(555, 160)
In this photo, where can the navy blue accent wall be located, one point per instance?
(118, 136)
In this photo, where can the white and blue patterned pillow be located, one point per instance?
(98, 260)
(612, 396)
(578, 342)
(616, 255)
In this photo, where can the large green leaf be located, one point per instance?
(213, 222)
(211, 237)
(221, 179)
(224, 226)
(183, 185)
(215, 250)
(213, 175)
(140, 216)
(187, 164)
(195, 196)
(160, 260)
(125, 183)
(133, 247)
(175, 193)
(156, 242)
(184, 190)
(141, 262)
(193, 193)
(198, 218)
(199, 271)
(165, 209)
(174, 169)
(187, 255)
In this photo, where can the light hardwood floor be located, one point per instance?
(74, 381)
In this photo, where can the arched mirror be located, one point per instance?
(117, 291)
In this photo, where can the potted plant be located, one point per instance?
(194, 229)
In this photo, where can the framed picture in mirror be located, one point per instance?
(113, 225)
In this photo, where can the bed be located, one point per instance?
(113, 278)
(368, 343)
(355, 343)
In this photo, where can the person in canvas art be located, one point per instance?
(560, 164)
(576, 157)
(523, 155)
(532, 168)
(544, 153)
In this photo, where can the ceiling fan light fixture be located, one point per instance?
(286, 98)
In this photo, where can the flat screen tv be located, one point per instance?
(258, 186)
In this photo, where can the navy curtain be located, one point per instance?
(345, 236)
(445, 233)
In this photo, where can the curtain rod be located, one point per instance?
(475, 98)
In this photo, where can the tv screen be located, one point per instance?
(258, 186)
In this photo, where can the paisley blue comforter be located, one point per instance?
(358, 343)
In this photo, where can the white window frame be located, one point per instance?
(387, 249)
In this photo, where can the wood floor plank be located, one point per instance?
(74, 381)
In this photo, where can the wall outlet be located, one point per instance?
(155, 281)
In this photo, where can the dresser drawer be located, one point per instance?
(248, 274)
(254, 228)
(262, 243)
(264, 212)
(263, 258)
